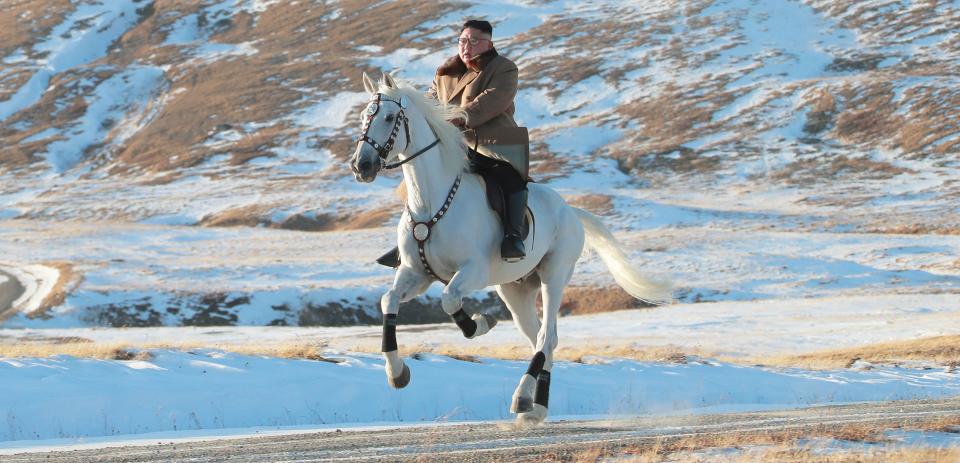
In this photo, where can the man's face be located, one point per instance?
(467, 50)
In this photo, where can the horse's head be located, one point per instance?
(382, 120)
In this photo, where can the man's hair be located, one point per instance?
(480, 25)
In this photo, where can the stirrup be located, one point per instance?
(511, 250)
(390, 259)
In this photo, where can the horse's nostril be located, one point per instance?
(364, 166)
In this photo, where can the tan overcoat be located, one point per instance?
(487, 98)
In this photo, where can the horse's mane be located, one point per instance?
(437, 115)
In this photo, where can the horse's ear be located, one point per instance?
(368, 84)
(388, 79)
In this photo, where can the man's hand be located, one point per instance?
(459, 122)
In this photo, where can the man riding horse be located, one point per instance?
(484, 83)
(448, 231)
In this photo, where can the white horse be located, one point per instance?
(403, 127)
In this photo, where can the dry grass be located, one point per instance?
(673, 117)
(22, 23)
(803, 455)
(79, 347)
(567, 67)
(544, 164)
(940, 350)
(943, 350)
(244, 216)
(912, 229)
(84, 348)
(367, 219)
(786, 445)
(823, 107)
(928, 124)
(868, 113)
(75, 347)
(585, 354)
(257, 215)
(664, 121)
(827, 168)
(300, 60)
(69, 279)
(862, 112)
(596, 203)
(582, 300)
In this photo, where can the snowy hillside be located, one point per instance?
(169, 113)
(122, 122)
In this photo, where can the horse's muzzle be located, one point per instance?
(365, 171)
(364, 167)
(365, 178)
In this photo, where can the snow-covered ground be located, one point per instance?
(65, 397)
(211, 390)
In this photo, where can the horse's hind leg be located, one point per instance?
(407, 284)
(521, 299)
(555, 272)
(533, 394)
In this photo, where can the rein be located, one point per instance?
(384, 165)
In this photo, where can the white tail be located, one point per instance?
(632, 281)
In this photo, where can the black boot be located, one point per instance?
(512, 248)
(390, 259)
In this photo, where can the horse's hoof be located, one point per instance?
(491, 322)
(521, 405)
(484, 322)
(532, 418)
(400, 381)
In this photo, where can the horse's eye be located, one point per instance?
(389, 118)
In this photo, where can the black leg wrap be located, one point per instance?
(536, 364)
(466, 324)
(543, 389)
(389, 333)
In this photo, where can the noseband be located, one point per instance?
(384, 150)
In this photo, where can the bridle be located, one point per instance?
(420, 230)
(384, 150)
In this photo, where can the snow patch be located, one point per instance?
(38, 282)
(82, 38)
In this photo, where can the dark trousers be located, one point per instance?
(502, 172)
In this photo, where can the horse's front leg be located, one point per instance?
(407, 284)
(471, 277)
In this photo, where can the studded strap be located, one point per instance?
(421, 230)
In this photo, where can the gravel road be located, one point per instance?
(501, 441)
